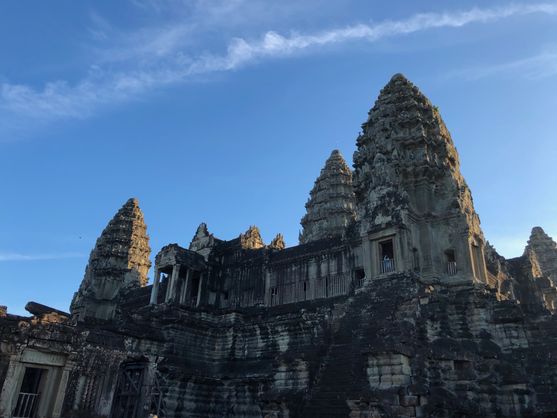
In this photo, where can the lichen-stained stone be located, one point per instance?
(314, 330)
(330, 208)
(407, 177)
(404, 143)
(119, 261)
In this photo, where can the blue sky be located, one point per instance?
(224, 111)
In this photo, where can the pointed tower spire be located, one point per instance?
(119, 260)
(407, 178)
(330, 208)
(545, 251)
(278, 243)
(203, 241)
(251, 239)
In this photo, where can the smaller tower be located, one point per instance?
(203, 241)
(330, 208)
(277, 243)
(251, 239)
(120, 260)
(545, 250)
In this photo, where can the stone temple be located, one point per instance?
(392, 305)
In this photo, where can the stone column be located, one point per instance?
(59, 399)
(155, 289)
(171, 291)
(184, 292)
(199, 288)
(267, 274)
(367, 257)
(12, 382)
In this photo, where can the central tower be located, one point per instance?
(414, 208)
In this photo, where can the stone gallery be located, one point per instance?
(392, 305)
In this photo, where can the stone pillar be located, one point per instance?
(155, 289)
(367, 257)
(199, 288)
(171, 290)
(12, 382)
(59, 399)
(184, 292)
(267, 274)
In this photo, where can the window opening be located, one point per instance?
(451, 262)
(387, 254)
(29, 393)
(360, 276)
(195, 287)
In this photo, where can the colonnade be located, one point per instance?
(184, 286)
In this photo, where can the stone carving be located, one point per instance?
(119, 261)
(330, 208)
(203, 241)
(251, 239)
(407, 176)
(522, 278)
(278, 243)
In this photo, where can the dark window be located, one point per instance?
(451, 262)
(196, 279)
(29, 393)
(359, 276)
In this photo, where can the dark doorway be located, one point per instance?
(359, 277)
(195, 282)
(128, 395)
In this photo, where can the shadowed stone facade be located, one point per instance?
(119, 260)
(393, 305)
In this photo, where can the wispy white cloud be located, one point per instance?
(165, 59)
(10, 256)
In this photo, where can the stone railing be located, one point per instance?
(26, 405)
(387, 265)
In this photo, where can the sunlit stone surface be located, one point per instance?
(393, 305)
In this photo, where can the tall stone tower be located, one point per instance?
(414, 207)
(119, 261)
(544, 249)
(330, 208)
